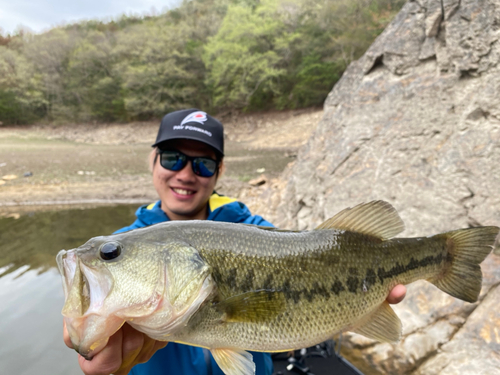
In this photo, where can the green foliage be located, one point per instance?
(314, 79)
(210, 54)
(289, 53)
(11, 111)
(21, 95)
(92, 82)
(242, 60)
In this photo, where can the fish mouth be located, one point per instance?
(85, 290)
(85, 287)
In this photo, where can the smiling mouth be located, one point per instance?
(183, 191)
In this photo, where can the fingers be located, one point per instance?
(149, 348)
(125, 349)
(397, 294)
(137, 348)
(134, 343)
(108, 360)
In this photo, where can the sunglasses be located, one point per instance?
(176, 160)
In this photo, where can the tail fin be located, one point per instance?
(467, 248)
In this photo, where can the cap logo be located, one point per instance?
(198, 116)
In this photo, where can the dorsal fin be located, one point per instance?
(376, 218)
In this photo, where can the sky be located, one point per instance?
(41, 15)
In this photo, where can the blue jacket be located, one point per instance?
(178, 359)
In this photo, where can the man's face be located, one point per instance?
(183, 194)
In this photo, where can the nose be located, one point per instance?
(186, 173)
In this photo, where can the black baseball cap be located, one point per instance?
(191, 124)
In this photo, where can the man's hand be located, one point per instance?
(125, 349)
(397, 294)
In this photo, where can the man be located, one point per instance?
(186, 162)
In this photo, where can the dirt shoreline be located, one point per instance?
(89, 164)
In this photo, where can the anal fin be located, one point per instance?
(382, 325)
(234, 361)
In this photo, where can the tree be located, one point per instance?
(242, 59)
(21, 95)
(49, 53)
(161, 59)
(92, 81)
(289, 53)
(211, 54)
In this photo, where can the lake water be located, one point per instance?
(31, 295)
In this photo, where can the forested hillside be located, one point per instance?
(213, 54)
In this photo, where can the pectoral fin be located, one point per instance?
(383, 325)
(256, 306)
(234, 361)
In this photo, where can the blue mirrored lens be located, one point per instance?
(175, 161)
(204, 167)
(172, 161)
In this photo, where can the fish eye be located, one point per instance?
(110, 250)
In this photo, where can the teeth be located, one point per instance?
(183, 192)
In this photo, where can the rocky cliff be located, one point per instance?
(416, 122)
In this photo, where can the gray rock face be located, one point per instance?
(423, 134)
(416, 122)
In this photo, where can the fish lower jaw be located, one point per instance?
(87, 356)
(89, 351)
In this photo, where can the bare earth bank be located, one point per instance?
(44, 166)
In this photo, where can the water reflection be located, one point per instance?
(30, 287)
(35, 238)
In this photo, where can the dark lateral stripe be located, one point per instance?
(370, 278)
(248, 281)
(413, 264)
(291, 294)
(337, 287)
(317, 290)
(353, 284)
(268, 284)
(231, 278)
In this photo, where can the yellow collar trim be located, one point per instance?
(217, 201)
(214, 202)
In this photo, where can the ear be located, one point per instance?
(222, 168)
(153, 156)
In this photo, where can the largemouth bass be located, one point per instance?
(232, 287)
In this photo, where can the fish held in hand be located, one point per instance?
(232, 287)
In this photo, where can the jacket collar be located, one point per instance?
(220, 208)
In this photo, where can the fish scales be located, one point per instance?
(329, 279)
(232, 287)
